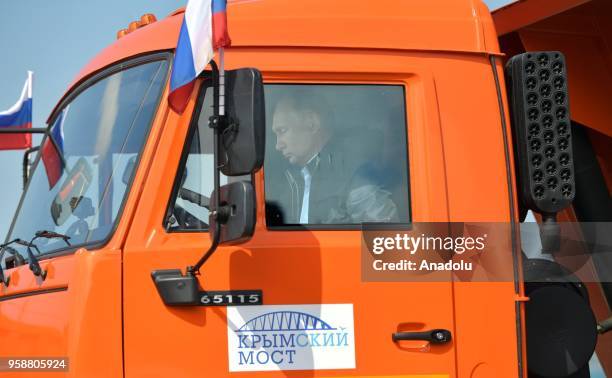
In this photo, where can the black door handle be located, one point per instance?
(434, 336)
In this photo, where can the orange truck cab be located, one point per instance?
(406, 105)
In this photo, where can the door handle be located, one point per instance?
(434, 336)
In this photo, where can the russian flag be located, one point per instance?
(221, 36)
(53, 150)
(18, 116)
(204, 29)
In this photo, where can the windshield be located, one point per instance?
(84, 168)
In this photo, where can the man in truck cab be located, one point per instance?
(327, 180)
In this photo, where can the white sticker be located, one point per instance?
(291, 337)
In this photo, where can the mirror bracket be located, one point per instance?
(223, 214)
(222, 123)
(176, 289)
(226, 127)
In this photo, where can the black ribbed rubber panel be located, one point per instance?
(539, 105)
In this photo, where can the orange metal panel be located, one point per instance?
(478, 192)
(82, 321)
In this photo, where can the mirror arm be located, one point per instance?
(195, 270)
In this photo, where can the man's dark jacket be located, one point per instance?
(339, 192)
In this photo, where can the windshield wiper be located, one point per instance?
(18, 259)
(33, 263)
(51, 235)
(4, 280)
(32, 260)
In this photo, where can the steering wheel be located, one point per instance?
(186, 220)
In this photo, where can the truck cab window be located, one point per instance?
(81, 178)
(336, 155)
(194, 184)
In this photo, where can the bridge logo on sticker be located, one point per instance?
(291, 337)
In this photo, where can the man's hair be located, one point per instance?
(305, 99)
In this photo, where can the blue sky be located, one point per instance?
(494, 4)
(55, 39)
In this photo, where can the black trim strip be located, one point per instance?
(31, 293)
(513, 231)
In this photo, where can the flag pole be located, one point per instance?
(221, 82)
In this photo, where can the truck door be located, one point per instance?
(372, 154)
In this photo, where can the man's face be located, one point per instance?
(295, 135)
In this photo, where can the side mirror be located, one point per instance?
(236, 213)
(239, 144)
(243, 145)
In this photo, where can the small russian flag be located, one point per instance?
(18, 116)
(53, 150)
(204, 29)
(221, 36)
